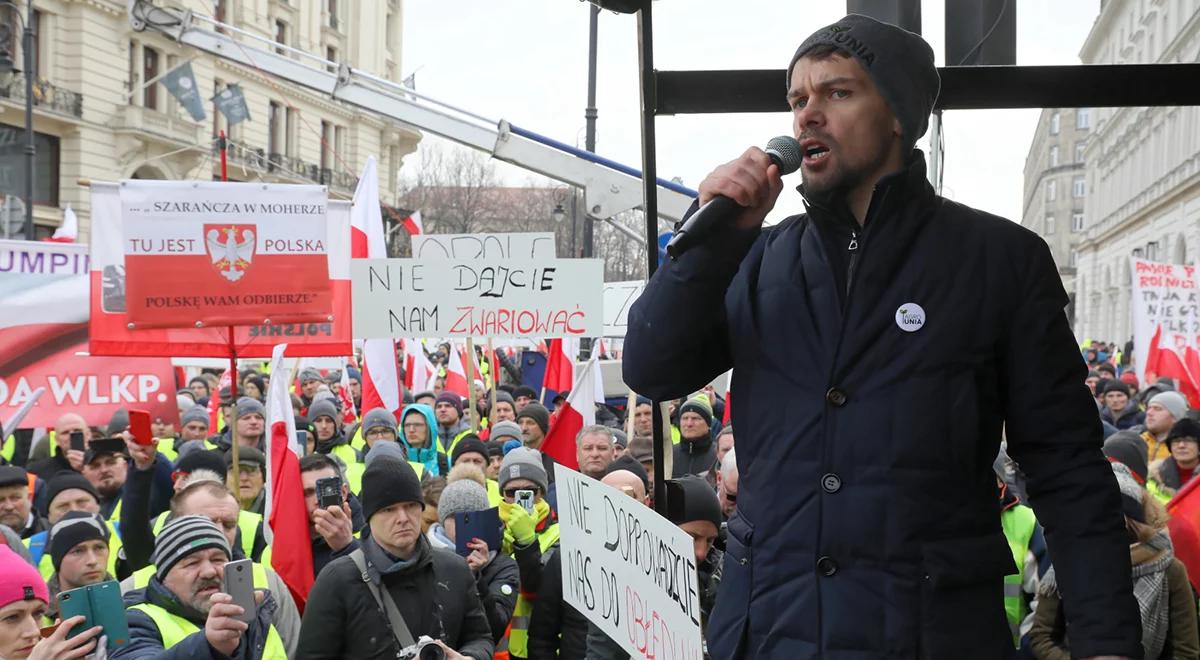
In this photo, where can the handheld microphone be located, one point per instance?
(784, 151)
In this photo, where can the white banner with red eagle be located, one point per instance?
(214, 253)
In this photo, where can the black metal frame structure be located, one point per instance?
(963, 88)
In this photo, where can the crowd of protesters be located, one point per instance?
(164, 519)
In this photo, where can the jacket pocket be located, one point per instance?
(728, 626)
(962, 597)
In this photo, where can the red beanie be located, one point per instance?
(1130, 379)
(19, 580)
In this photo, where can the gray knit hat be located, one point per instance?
(194, 414)
(900, 62)
(505, 430)
(1173, 402)
(377, 417)
(392, 449)
(309, 373)
(183, 536)
(324, 408)
(523, 463)
(460, 497)
(248, 406)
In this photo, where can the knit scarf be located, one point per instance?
(1151, 590)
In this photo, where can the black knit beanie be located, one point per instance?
(388, 481)
(74, 528)
(691, 499)
(538, 413)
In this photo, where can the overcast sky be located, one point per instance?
(526, 61)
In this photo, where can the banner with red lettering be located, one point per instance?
(43, 343)
(217, 253)
(110, 333)
(1166, 324)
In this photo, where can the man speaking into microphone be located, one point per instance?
(882, 342)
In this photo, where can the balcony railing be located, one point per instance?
(46, 95)
(287, 166)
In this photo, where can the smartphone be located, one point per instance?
(239, 583)
(525, 499)
(329, 492)
(484, 525)
(139, 426)
(77, 443)
(101, 605)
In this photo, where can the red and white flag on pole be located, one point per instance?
(418, 370)
(578, 411)
(349, 413)
(456, 373)
(380, 373)
(68, 231)
(412, 224)
(560, 364)
(286, 514)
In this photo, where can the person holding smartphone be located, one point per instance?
(183, 612)
(79, 551)
(24, 602)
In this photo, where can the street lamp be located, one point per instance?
(560, 212)
(6, 73)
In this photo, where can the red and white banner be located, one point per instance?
(560, 365)
(43, 343)
(1166, 325)
(286, 514)
(108, 326)
(219, 253)
(456, 373)
(571, 417)
(419, 372)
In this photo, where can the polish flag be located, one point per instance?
(380, 372)
(560, 364)
(418, 370)
(728, 399)
(285, 510)
(456, 373)
(412, 224)
(1163, 359)
(69, 230)
(349, 414)
(578, 411)
(214, 402)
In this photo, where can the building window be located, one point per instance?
(1054, 155)
(12, 165)
(1083, 118)
(1054, 122)
(281, 29)
(1080, 148)
(149, 72)
(1049, 225)
(331, 7)
(1076, 222)
(292, 134)
(326, 145)
(1072, 257)
(331, 54)
(274, 128)
(1078, 187)
(1051, 191)
(1152, 251)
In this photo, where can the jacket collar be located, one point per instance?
(905, 184)
(381, 563)
(158, 594)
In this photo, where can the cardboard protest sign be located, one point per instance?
(109, 332)
(516, 246)
(1166, 324)
(482, 298)
(44, 291)
(215, 253)
(628, 570)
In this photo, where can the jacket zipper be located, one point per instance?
(852, 248)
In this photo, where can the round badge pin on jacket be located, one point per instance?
(910, 317)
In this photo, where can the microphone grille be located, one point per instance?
(785, 151)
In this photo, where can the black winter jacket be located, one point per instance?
(693, 457)
(436, 594)
(876, 367)
(556, 630)
(498, 585)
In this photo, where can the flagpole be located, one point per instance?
(233, 371)
(630, 409)
(155, 79)
(471, 385)
(492, 371)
